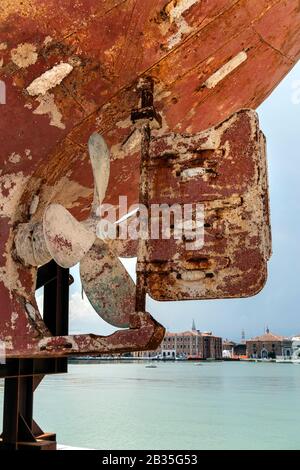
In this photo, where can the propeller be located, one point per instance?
(106, 283)
(67, 239)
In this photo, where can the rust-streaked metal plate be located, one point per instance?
(209, 59)
(223, 168)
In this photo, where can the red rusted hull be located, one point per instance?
(223, 170)
(209, 59)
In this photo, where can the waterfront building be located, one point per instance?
(269, 346)
(188, 344)
(296, 346)
(228, 349)
(185, 344)
(193, 344)
(168, 354)
(240, 349)
(212, 346)
(232, 350)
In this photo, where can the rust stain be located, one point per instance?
(231, 184)
(110, 44)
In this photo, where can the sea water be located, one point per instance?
(178, 405)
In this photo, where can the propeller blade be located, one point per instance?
(107, 285)
(100, 160)
(67, 239)
(123, 248)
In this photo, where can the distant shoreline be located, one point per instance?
(97, 360)
(91, 360)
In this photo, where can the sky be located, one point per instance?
(277, 306)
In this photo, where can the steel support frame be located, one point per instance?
(22, 376)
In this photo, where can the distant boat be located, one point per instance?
(151, 366)
(288, 361)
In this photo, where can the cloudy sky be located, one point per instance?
(278, 304)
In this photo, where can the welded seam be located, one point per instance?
(121, 89)
(271, 45)
(126, 34)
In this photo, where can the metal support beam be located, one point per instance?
(145, 115)
(22, 376)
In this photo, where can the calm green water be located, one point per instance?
(176, 406)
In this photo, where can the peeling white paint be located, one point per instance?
(9, 273)
(14, 158)
(3, 47)
(125, 124)
(175, 10)
(190, 173)
(229, 67)
(47, 40)
(24, 55)
(183, 28)
(28, 154)
(210, 60)
(49, 79)
(161, 94)
(129, 147)
(177, 7)
(34, 204)
(191, 276)
(8, 184)
(15, 184)
(8, 343)
(14, 318)
(47, 106)
(133, 142)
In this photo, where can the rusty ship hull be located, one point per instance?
(71, 69)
